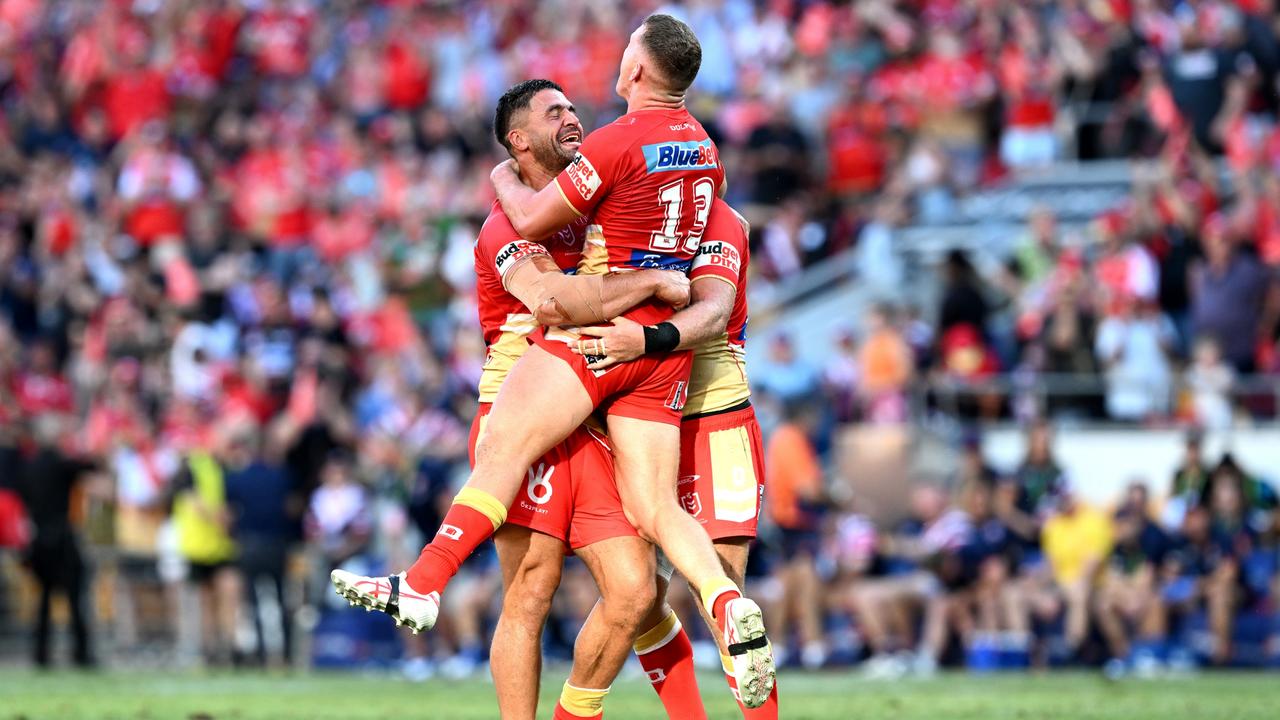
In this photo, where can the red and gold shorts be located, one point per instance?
(722, 472)
(651, 387)
(569, 493)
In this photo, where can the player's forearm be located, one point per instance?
(516, 199)
(623, 291)
(619, 292)
(526, 208)
(701, 321)
(711, 303)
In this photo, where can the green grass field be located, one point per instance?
(161, 695)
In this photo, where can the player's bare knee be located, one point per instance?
(644, 517)
(630, 599)
(529, 607)
(528, 600)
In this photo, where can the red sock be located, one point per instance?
(668, 661)
(767, 711)
(462, 531)
(717, 608)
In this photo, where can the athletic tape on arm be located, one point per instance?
(578, 298)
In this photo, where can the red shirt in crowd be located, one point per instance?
(132, 97)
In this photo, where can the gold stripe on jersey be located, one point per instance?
(504, 353)
(719, 377)
(595, 254)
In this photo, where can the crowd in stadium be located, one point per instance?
(236, 238)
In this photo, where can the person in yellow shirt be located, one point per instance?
(1076, 541)
(202, 521)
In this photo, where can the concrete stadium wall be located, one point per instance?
(1102, 462)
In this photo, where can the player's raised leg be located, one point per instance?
(540, 403)
(647, 460)
(623, 568)
(733, 557)
(531, 565)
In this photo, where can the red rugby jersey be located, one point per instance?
(648, 181)
(504, 320)
(719, 377)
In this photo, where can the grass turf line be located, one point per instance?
(253, 696)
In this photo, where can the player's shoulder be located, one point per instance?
(643, 126)
(497, 228)
(499, 245)
(619, 136)
(723, 250)
(726, 224)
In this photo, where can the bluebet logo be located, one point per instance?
(689, 155)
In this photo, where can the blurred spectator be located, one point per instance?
(778, 160)
(794, 503)
(962, 300)
(1186, 488)
(1077, 540)
(885, 366)
(998, 621)
(339, 519)
(786, 374)
(1036, 254)
(1204, 574)
(202, 520)
(1129, 596)
(1133, 349)
(266, 515)
(973, 470)
(1228, 289)
(1210, 381)
(841, 379)
(46, 483)
(927, 554)
(1026, 499)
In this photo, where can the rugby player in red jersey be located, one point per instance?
(721, 449)
(569, 497)
(648, 180)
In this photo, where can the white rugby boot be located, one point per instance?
(391, 595)
(749, 650)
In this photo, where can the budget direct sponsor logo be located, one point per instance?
(671, 156)
(584, 176)
(513, 251)
(718, 253)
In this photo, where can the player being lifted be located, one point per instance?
(721, 449)
(569, 497)
(649, 180)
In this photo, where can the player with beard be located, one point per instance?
(569, 497)
(648, 181)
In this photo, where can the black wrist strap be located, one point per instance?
(661, 338)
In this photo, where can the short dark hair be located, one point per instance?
(515, 99)
(674, 48)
